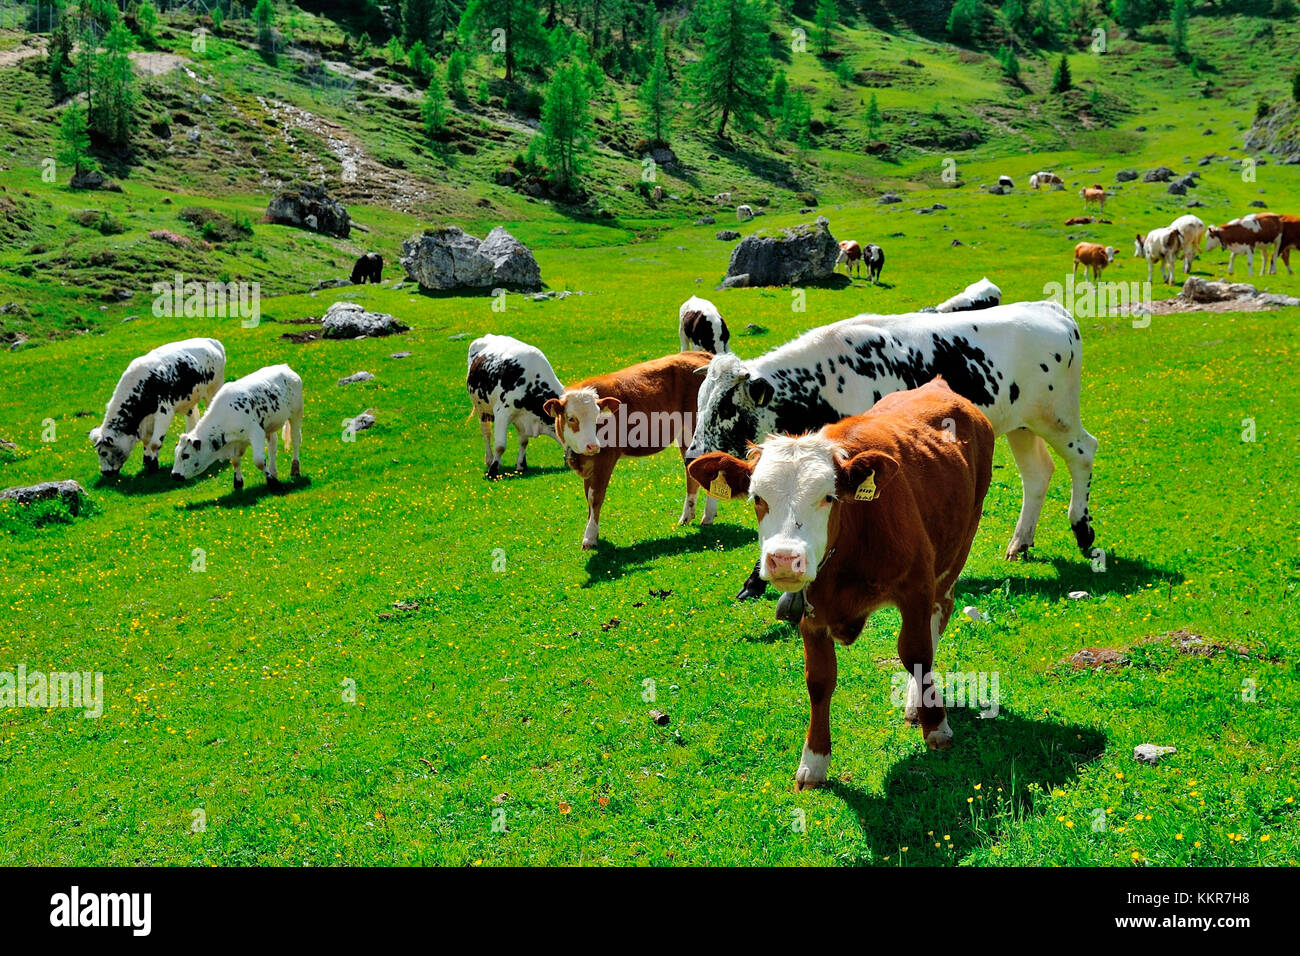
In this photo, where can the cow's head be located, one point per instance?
(1111, 253)
(113, 449)
(1138, 244)
(576, 414)
(1213, 239)
(733, 408)
(194, 455)
(796, 486)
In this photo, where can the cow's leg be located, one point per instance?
(500, 431)
(1035, 464)
(485, 429)
(601, 468)
(692, 493)
(272, 446)
(1078, 449)
(917, 639)
(192, 417)
(157, 426)
(819, 673)
(521, 460)
(295, 435)
(257, 443)
(1285, 256)
(237, 460)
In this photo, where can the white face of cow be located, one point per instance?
(577, 416)
(113, 449)
(1212, 240)
(1138, 247)
(193, 456)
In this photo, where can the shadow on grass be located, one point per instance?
(140, 483)
(251, 494)
(534, 471)
(608, 563)
(1123, 575)
(928, 791)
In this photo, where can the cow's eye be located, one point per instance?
(829, 499)
(759, 502)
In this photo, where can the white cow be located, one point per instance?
(1006, 182)
(509, 383)
(1159, 245)
(155, 388)
(700, 326)
(246, 413)
(722, 199)
(978, 295)
(744, 213)
(1192, 232)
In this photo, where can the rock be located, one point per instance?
(659, 718)
(1178, 189)
(888, 199)
(937, 206)
(1187, 182)
(996, 190)
(705, 221)
(1126, 175)
(1200, 290)
(1205, 161)
(400, 355)
(1195, 204)
(505, 177)
(347, 320)
(363, 421)
(450, 258)
(330, 284)
(805, 253)
(1258, 204)
(973, 613)
(955, 242)
(356, 377)
(68, 491)
(309, 206)
(1208, 132)
(93, 179)
(1078, 595)
(727, 235)
(1151, 753)
(735, 282)
(1096, 658)
(1161, 174)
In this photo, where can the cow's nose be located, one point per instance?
(592, 447)
(787, 562)
(177, 476)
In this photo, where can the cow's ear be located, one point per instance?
(760, 391)
(863, 476)
(608, 406)
(722, 476)
(198, 444)
(554, 407)
(94, 435)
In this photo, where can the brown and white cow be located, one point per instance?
(1093, 257)
(1096, 193)
(1045, 179)
(1290, 239)
(1260, 230)
(876, 510)
(850, 256)
(637, 411)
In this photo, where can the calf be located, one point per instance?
(700, 326)
(369, 268)
(1096, 193)
(509, 383)
(155, 388)
(744, 212)
(1290, 240)
(1045, 179)
(1158, 245)
(1021, 364)
(877, 510)
(850, 256)
(638, 411)
(1006, 182)
(722, 199)
(978, 295)
(874, 257)
(1093, 258)
(1191, 232)
(1262, 230)
(246, 413)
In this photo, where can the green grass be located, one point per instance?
(225, 688)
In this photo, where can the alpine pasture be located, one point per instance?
(390, 660)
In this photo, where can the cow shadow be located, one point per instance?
(534, 471)
(609, 563)
(1122, 575)
(250, 494)
(140, 483)
(931, 795)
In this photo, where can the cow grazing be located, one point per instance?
(246, 413)
(722, 199)
(638, 411)
(1093, 257)
(1261, 230)
(509, 383)
(744, 213)
(700, 326)
(1021, 364)
(1159, 245)
(369, 268)
(850, 257)
(155, 388)
(877, 510)
(1006, 182)
(1096, 193)
(1290, 240)
(874, 257)
(1191, 232)
(1045, 179)
(976, 296)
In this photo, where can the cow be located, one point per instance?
(700, 326)
(744, 212)
(1020, 363)
(369, 268)
(1006, 182)
(156, 387)
(976, 296)
(874, 257)
(722, 199)
(1093, 257)
(1191, 231)
(1261, 230)
(877, 510)
(1159, 245)
(850, 257)
(637, 411)
(246, 413)
(1290, 240)
(1096, 193)
(509, 383)
(1045, 179)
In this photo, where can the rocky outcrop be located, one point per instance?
(450, 258)
(309, 206)
(347, 320)
(1277, 133)
(803, 254)
(68, 491)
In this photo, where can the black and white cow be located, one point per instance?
(369, 268)
(249, 412)
(700, 326)
(509, 383)
(976, 296)
(874, 257)
(1019, 363)
(155, 388)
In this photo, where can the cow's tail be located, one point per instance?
(286, 431)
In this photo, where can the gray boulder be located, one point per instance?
(1126, 175)
(347, 320)
(68, 491)
(727, 235)
(1161, 174)
(805, 253)
(309, 206)
(356, 377)
(450, 258)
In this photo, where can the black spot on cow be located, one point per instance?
(1014, 392)
(1043, 366)
(804, 412)
(159, 388)
(369, 268)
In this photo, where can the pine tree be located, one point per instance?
(779, 87)
(966, 20)
(735, 65)
(146, 19)
(525, 42)
(873, 116)
(74, 140)
(825, 20)
(456, 76)
(1061, 79)
(421, 64)
(60, 66)
(264, 17)
(656, 99)
(417, 22)
(1178, 34)
(1010, 64)
(434, 110)
(566, 123)
(112, 113)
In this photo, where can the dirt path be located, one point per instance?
(32, 46)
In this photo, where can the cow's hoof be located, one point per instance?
(494, 471)
(755, 587)
(912, 718)
(1016, 551)
(812, 770)
(294, 470)
(706, 521)
(801, 785)
(272, 481)
(940, 738)
(151, 464)
(588, 545)
(239, 485)
(1084, 535)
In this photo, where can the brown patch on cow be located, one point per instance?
(760, 508)
(1097, 659)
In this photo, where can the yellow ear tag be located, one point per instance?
(867, 490)
(719, 488)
